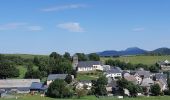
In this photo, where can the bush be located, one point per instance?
(155, 90)
(59, 89)
(81, 92)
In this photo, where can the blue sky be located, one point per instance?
(43, 26)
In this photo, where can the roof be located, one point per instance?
(23, 88)
(164, 62)
(130, 78)
(56, 76)
(147, 82)
(17, 83)
(36, 85)
(146, 74)
(89, 63)
(161, 76)
(114, 70)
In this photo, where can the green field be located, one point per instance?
(26, 56)
(28, 97)
(88, 76)
(149, 60)
(22, 71)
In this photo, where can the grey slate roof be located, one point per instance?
(166, 62)
(36, 86)
(147, 82)
(114, 70)
(56, 76)
(146, 74)
(161, 76)
(17, 83)
(89, 63)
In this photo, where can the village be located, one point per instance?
(113, 74)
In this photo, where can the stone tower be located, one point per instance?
(75, 61)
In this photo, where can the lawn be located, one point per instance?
(22, 71)
(149, 60)
(29, 97)
(89, 76)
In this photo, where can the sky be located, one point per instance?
(44, 26)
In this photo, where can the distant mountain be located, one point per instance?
(133, 51)
(162, 51)
(128, 51)
(109, 53)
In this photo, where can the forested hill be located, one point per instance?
(135, 51)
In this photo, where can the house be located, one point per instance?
(85, 66)
(114, 73)
(17, 85)
(162, 84)
(147, 82)
(84, 84)
(143, 74)
(138, 78)
(161, 79)
(112, 86)
(165, 65)
(132, 79)
(53, 77)
(106, 67)
(161, 76)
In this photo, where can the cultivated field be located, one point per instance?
(140, 59)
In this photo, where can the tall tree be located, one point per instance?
(59, 89)
(82, 57)
(67, 56)
(36, 61)
(94, 57)
(99, 86)
(68, 79)
(7, 70)
(155, 89)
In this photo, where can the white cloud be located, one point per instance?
(34, 28)
(63, 7)
(139, 29)
(11, 26)
(71, 26)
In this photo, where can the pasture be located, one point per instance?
(149, 60)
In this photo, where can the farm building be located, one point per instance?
(17, 85)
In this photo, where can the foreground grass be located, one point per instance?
(29, 97)
(149, 60)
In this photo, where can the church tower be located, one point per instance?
(75, 61)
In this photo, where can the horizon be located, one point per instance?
(82, 52)
(42, 27)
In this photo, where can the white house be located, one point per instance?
(82, 84)
(114, 73)
(165, 65)
(85, 66)
(138, 78)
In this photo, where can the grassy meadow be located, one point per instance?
(29, 97)
(149, 60)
